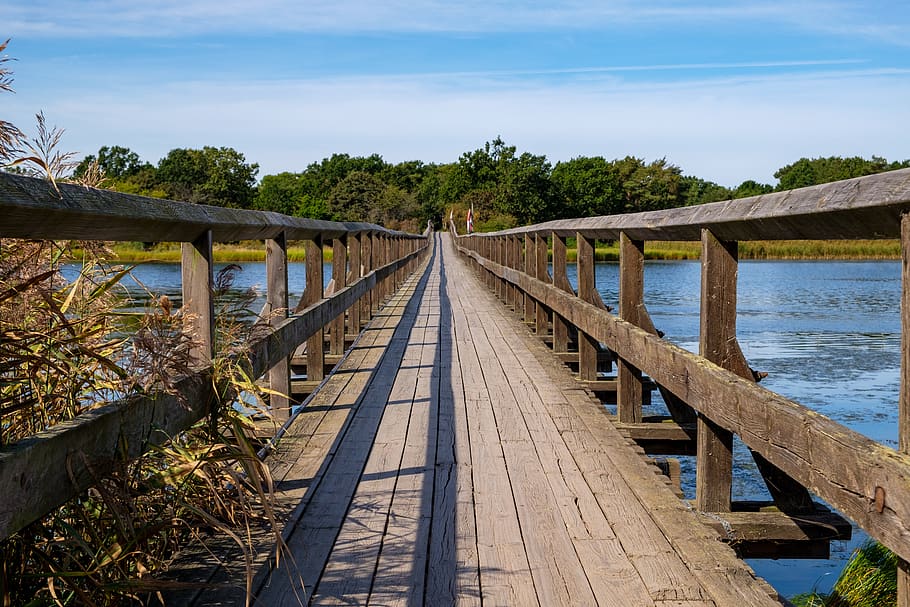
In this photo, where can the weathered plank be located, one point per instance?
(839, 465)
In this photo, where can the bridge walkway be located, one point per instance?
(461, 464)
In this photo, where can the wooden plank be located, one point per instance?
(561, 280)
(312, 293)
(276, 266)
(36, 209)
(587, 345)
(542, 326)
(717, 342)
(781, 430)
(629, 394)
(903, 415)
(198, 286)
(340, 276)
(355, 322)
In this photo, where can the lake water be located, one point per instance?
(827, 333)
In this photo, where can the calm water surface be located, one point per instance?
(827, 333)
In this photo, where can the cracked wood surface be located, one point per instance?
(485, 475)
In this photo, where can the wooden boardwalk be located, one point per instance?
(463, 465)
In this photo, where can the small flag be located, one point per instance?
(471, 219)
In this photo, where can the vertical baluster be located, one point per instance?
(354, 274)
(276, 267)
(542, 321)
(560, 281)
(530, 268)
(587, 291)
(340, 276)
(198, 303)
(312, 293)
(367, 265)
(903, 570)
(631, 300)
(714, 466)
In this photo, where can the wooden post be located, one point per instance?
(561, 281)
(515, 263)
(276, 268)
(378, 262)
(501, 260)
(198, 297)
(903, 423)
(312, 293)
(366, 263)
(587, 291)
(340, 276)
(714, 465)
(530, 268)
(542, 273)
(354, 274)
(631, 301)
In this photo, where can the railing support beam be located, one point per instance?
(276, 267)
(629, 396)
(587, 291)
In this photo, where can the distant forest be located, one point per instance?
(505, 187)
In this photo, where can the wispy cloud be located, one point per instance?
(725, 129)
(190, 17)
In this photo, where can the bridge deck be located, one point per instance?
(463, 466)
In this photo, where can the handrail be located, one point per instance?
(797, 448)
(43, 471)
(864, 207)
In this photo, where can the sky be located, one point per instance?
(727, 91)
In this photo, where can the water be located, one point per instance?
(827, 333)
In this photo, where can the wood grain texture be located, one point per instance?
(276, 311)
(837, 464)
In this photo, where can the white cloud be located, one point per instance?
(189, 17)
(726, 130)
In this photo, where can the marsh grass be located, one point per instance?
(764, 249)
(64, 348)
(868, 580)
(223, 253)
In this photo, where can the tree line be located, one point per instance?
(506, 188)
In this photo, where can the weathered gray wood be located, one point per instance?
(542, 317)
(312, 293)
(839, 465)
(717, 339)
(32, 208)
(368, 262)
(340, 276)
(903, 570)
(276, 267)
(865, 207)
(587, 345)
(631, 302)
(355, 323)
(561, 280)
(529, 268)
(198, 297)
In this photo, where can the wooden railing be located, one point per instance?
(795, 448)
(42, 472)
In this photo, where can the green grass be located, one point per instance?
(868, 580)
(134, 252)
(765, 249)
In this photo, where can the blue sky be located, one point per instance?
(726, 90)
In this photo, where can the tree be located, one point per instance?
(587, 187)
(751, 188)
(217, 176)
(694, 190)
(806, 172)
(355, 196)
(117, 162)
(649, 187)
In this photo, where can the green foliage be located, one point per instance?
(587, 187)
(807, 172)
(217, 176)
(355, 196)
(868, 580)
(117, 162)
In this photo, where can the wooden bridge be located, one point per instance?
(457, 451)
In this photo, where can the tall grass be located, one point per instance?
(64, 349)
(764, 249)
(868, 580)
(223, 253)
